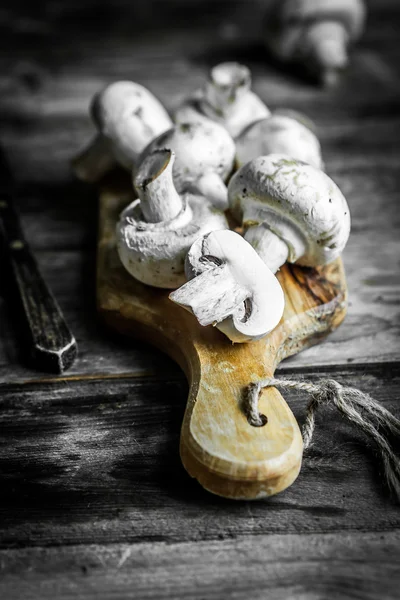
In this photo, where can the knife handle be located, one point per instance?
(47, 340)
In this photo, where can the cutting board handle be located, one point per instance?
(219, 447)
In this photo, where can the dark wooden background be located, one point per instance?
(93, 500)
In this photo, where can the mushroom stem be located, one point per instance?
(212, 187)
(228, 81)
(327, 50)
(159, 200)
(211, 296)
(95, 161)
(269, 246)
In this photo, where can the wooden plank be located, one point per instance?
(352, 566)
(98, 462)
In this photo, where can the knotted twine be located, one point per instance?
(358, 407)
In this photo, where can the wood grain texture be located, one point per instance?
(90, 464)
(97, 462)
(46, 89)
(363, 566)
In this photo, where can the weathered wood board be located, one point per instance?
(277, 567)
(218, 446)
(93, 499)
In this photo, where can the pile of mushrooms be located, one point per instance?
(155, 232)
(176, 236)
(290, 211)
(205, 155)
(227, 99)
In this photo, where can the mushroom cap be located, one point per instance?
(297, 202)
(279, 134)
(154, 253)
(351, 13)
(297, 116)
(130, 117)
(263, 307)
(199, 147)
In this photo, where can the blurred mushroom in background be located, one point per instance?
(314, 34)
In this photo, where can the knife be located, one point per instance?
(47, 340)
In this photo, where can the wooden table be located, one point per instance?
(94, 500)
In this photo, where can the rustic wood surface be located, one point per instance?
(94, 500)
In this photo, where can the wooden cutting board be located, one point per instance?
(218, 446)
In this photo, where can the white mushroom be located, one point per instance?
(297, 116)
(155, 232)
(226, 98)
(205, 155)
(127, 117)
(290, 211)
(279, 134)
(314, 33)
(229, 286)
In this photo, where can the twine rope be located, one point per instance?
(356, 406)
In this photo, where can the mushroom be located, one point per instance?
(225, 98)
(297, 116)
(205, 155)
(231, 287)
(290, 211)
(127, 117)
(279, 134)
(155, 231)
(315, 33)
